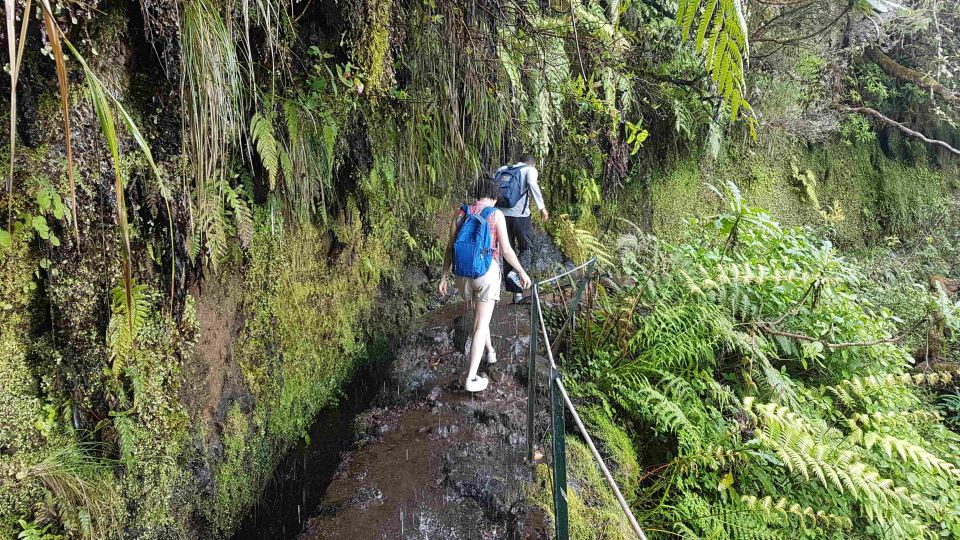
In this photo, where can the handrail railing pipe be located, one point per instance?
(560, 400)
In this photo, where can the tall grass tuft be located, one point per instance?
(214, 96)
(103, 104)
(82, 487)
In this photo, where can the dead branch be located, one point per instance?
(768, 328)
(873, 113)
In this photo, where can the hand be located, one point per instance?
(525, 281)
(443, 286)
(544, 214)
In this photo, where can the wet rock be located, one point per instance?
(367, 495)
(469, 475)
(413, 278)
(447, 431)
(545, 256)
(415, 366)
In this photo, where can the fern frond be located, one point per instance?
(126, 435)
(851, 391)
(242, 215)
(789, 436)
(262, 134)
(907, 452)
(805, 514)
(721, 38)
(126, 323)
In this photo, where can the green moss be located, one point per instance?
(372, 42)
(19, 404)
(234, 488)
(876, 195)
(616, 447)
(593, 509)
(155, 440)
(677, 197)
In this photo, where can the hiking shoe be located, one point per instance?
(518, 298)
(476, 384)
(491, 357)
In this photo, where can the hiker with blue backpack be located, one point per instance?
(478, 241)
(518, 183)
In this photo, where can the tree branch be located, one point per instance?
(892, 68)
(867, 111)
(769, 329)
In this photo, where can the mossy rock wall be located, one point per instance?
(865, 194)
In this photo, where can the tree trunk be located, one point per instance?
(892, 68)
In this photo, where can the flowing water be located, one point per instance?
(301, 479)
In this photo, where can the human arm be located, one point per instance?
(506, 250)
(448, 256)
(533, 187)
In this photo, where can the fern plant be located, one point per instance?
(765, 391)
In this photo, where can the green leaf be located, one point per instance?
(43, 199)
(40, 225)
(725, 482)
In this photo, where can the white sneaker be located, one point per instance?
(491, 357)
(518, 298)
(477, 384)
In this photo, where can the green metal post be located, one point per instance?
(558, 437)
(532, 368)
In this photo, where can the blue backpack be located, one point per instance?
(511, 186)
(472, 249)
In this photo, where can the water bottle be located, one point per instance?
(512, 276)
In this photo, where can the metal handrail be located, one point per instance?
(567, 273)
(603, 466)
(557, 390)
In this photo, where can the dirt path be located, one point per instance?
(435, 461)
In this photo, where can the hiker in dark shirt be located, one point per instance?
(518, 216)
(482, 292)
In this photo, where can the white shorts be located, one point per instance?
(485, 288)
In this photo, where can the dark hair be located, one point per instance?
(528, 159)
(487, 187)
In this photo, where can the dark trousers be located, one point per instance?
(521, 238)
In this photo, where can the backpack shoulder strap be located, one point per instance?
(485, 213)
(465, 209)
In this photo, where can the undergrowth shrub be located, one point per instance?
(766, 396)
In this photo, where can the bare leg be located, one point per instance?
(471, 312)
(481, 335)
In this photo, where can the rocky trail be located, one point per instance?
(434, 461)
